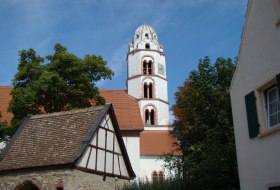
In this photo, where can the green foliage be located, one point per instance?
(167, 184)
(204, 126)
(5, 133)
(58, 82)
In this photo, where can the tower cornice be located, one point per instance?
(142, 75)
(143, 50)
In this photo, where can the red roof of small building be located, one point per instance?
(158, 143)
(5, 98)
(126, 108)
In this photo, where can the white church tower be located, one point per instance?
(146, 80)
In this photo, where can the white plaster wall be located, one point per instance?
(135, 65)
(135, 87)
(161, 89)
(132, 145)
(259, 61)
(148, 164)
(162, 110)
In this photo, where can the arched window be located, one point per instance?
(152, 117)
(148, 90)
(147, 67)
(145, 90)
(147, 46)
(157, 176)
(147, 35)
(154, 176)
(147, 120)
(151, 90)
(160, 176)
(150, 67)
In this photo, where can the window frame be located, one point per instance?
(261, 90)
(267, 106)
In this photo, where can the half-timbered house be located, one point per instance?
(80, 149)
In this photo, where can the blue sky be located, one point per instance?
(188, 30)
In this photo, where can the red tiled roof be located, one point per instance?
(126, 108)
(158, 143)
(5, 98)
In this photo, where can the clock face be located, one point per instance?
(161, 69)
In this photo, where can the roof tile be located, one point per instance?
(126, 108)
(49, 139)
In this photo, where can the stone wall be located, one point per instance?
(71, 179)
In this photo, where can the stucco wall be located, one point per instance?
(148, 164)
(132, 145)
(259, 62)
(71, 179)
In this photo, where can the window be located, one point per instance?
(272, 106)
(150, 67)
(160, 176)
(147, 35)
(148, 90)
(147, 46)
(145, 90)
(149, 117)
(154, 177)
(147, 67)
(263, 109)
(152, 117)
(157, 176)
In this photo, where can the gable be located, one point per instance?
(105, 153)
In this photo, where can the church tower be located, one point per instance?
(146, 76)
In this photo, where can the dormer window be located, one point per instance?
(147, 46)
(137, 36)
(147, 35)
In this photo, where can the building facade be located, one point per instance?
(255, 98)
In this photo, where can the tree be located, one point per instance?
(58, 82)
(204, 126)
(5, 133)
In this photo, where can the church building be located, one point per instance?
(142, 110)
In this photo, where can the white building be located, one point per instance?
(255, 98)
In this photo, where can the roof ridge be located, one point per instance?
(74, 111)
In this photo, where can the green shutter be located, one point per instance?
(252, 116)
(278, 83)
